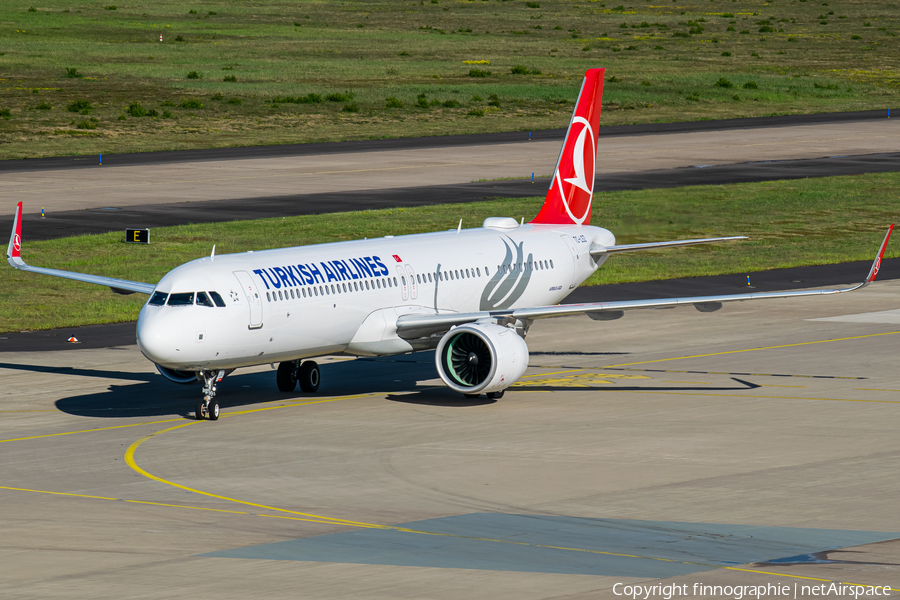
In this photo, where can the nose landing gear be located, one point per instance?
(208, 408)
(292, 372)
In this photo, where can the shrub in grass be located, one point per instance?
(86, 125)
(631, 48)
(756, 54)
(766, 29)
(191, 103)
(751, 85)
(307, 99)
(450, 104)
(532, 4)
(477, 98)
(479, 73)
(825, 86)
(724, 83)
(231, 78)
(217, 96)
(494, 100)
(519, 70)
(392, 103)
(736, 98)
(745, 32)
(79, 105)
(110, 7)
(421, 101)
(730, 28)
(4, 112)
(339, 97)
(658, 48)
(586, 49)
(855, 37)
(43, 106)
(192, 12)
(179, 38)
(212, 13)
(235, 101)
(194, 75)
(726, 54)
(613, 79)
(73, 73)
(351, 108)
(166, 114)
(136, 110)
(476, 112)
(645, 83)
(152, 113)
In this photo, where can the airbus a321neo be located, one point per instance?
(470, 293)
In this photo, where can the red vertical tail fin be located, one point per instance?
(569, 198)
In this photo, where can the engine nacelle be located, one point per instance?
(182, 377)
(475, 358)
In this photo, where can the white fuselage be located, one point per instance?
(345, 297)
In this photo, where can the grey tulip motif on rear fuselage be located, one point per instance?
(509, 282)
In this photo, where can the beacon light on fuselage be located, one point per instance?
(471, 294)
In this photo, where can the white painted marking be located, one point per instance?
(883, 316)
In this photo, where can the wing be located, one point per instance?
(415, 326)
(13, 256)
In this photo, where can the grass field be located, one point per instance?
(791, 223)
(94, 77)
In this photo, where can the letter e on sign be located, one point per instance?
(137, 236)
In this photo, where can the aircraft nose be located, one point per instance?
(153, 337)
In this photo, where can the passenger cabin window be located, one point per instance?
(158, 299)
(203, 300)
(182, 299)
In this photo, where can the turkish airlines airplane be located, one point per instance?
(470, 293)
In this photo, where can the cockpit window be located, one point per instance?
(183, 299)
(217, 299)
(158, 299)
(203, 300)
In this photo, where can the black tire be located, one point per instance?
(286, 376)
(495, 395)
(472, 395)
(309, 376)
(212, 411)
(198, 410)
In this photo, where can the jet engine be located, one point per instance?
(182, 377)
(478, 358)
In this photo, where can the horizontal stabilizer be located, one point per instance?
(597, 250)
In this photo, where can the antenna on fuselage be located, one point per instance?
(458, 229)
(212, 257)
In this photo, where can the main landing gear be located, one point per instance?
(208, 408)
(292, 372)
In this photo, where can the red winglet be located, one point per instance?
(876, 266)
(571, 190)
(15, 240)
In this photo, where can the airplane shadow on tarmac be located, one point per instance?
(151, 395)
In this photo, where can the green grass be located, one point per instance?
(666, 59)
(791, 223)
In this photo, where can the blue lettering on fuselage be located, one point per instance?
(334, 270)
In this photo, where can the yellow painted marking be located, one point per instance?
(49, 435)
(855, 337)
(875, 390)
(554, 373)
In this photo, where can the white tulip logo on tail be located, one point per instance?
(17, 244)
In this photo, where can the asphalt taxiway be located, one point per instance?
(749, 446)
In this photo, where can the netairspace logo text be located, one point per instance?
(739, 592)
